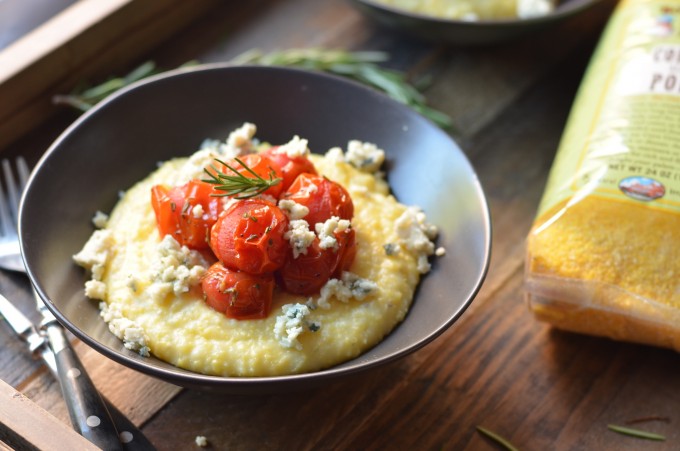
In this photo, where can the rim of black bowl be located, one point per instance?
(563, 9)
(257, 384)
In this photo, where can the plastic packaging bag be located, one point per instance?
(603, 255)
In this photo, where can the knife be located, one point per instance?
(92, 415)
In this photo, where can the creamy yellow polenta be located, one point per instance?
(180, 328)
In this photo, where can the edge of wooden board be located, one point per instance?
(89, 39)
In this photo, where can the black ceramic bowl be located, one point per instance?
(120, 141)
(462, 32)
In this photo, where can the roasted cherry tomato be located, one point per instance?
(237, 294)
(307, 273)
(261, 165)
(248, 236)
(291, 167)
(322, 196)
(186, 212)
(347, 250)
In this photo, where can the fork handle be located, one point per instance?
(87, 410)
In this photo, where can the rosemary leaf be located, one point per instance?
(361, 66)
(238, 185)
(143, 71)
(72, 101)
(84, 99)
(497, 438)
(100, 91)
(636, 432)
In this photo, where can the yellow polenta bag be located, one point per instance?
(603, 255)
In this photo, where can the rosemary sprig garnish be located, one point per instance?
(362, 66)
(636, 432)
(497, 438)
(238, 185)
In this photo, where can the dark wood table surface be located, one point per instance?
(496, 367)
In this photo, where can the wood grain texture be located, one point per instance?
(136, 395)
(25, 426)
(496, 366)
(89, 39)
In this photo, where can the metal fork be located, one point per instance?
(10, 253)
(90, 414)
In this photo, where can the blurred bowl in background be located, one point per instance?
(462, 32)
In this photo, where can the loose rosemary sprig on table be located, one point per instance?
(238, 185)
(636, 432)
(497, 438)
(85, 98)
(360, 66)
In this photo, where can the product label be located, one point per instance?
(622, 140)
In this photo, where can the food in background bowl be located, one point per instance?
(472, 10)
(472, 22)
(283, 278)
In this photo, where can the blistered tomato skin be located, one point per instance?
(323, 197)
(248, 236)
(237, 294)
(262, 165)
(291, 167)
(347, 251)
(186, 212)
(307, 273)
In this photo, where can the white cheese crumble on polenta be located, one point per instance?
(150, 289)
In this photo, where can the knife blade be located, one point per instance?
(25, 329)
(127, 435)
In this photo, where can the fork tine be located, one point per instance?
(6, 224)
(11, 185)
(24, 172)
(9, 203)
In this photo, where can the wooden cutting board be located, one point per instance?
(25, 425)
(136, 395)
(88, 40)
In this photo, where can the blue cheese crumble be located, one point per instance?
(96, 251)
(294, 148)
(93, 257)
(326, 231)
(175, 269)
(349, 286)
(197, 211)
(242, 138)
(100, 219)
(292, 209)
(299, 236)
(391, 248)
(239, 142)
(364, 156)
(292, 323)
(128, 331)
(417, 235)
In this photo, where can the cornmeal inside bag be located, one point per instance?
(603, 255)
